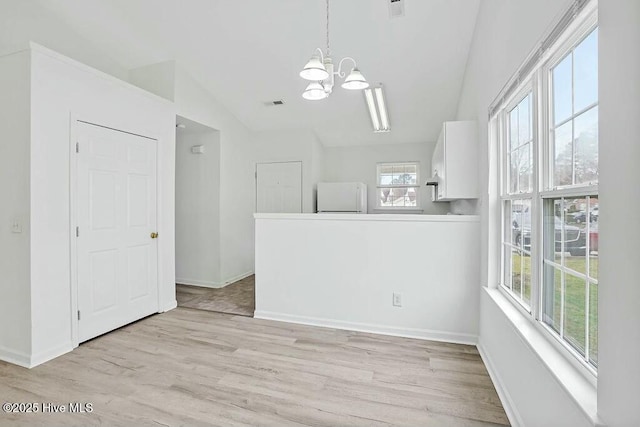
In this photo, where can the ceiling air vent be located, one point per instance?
(396, 8)
(274, 103)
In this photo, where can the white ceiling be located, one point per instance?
(247, 52)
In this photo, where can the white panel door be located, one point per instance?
(279, 187)
(116, 212)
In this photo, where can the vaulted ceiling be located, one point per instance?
(248, 52)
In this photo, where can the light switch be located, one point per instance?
(16, 225)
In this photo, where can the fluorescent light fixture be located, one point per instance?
(368, 95)
(377, 109)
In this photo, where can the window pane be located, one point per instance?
(552, 296)
(508, 223)
(586, 152)
(526, 278)
(513, 172)
(411, 169)
(513, 128)
(525, 225)
(398, 197)
(593, 237)
(553, 226)
(385, 179)
(524, 168)
(593, 324)
(516, 222)
(516, 270)
(506, 275)
(574, 312)
(524, 120)
(385, 197)
(585, 69)
(575, 235)
(562, 105)
(563, 155)
(387, 169)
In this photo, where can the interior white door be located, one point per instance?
(117, 265)
(279, 187)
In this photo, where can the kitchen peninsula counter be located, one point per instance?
(342, 271)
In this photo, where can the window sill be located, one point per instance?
(572, 380)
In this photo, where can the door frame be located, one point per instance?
(108, 123)
(255, 199)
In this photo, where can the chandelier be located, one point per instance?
(320, 71)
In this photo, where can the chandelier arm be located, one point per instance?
(321, 54)
(341, 73)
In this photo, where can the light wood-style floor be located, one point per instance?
(236, 298)
(198, 368)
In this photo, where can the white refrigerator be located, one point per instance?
(342, 197)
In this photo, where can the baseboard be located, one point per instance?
(15, 357)
(200, 283)
(238, 277)
(507, 403)
(423, 334)
(210, 284)
(52, 353)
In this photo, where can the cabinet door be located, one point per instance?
(461, 161)
(438, 168)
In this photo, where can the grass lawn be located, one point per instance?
(575, 299)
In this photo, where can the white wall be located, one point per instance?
(359, 164)
(506, 32)
(15, 309)
(619, 314)
(22, 22)
(342, 270)
(197, 206)
(237, 168)
(60, 90)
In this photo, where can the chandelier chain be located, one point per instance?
(328, 49)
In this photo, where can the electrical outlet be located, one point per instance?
(397, 299)
(16, 225)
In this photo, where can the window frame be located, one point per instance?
(506, 196)
(538, 82)
(416, 186)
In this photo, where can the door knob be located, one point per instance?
(154, 235)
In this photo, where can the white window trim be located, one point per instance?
(542, 177)
(418, 206)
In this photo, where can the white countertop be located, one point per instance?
(367, 217)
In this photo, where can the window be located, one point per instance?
(570, 204)
(517, 199)
(397, 185)
(548, 134)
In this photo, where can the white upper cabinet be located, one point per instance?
(454, 165)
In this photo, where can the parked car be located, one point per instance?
(575, 239)
(581, 216)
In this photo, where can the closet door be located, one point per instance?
(279, 187)
(117, 236)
